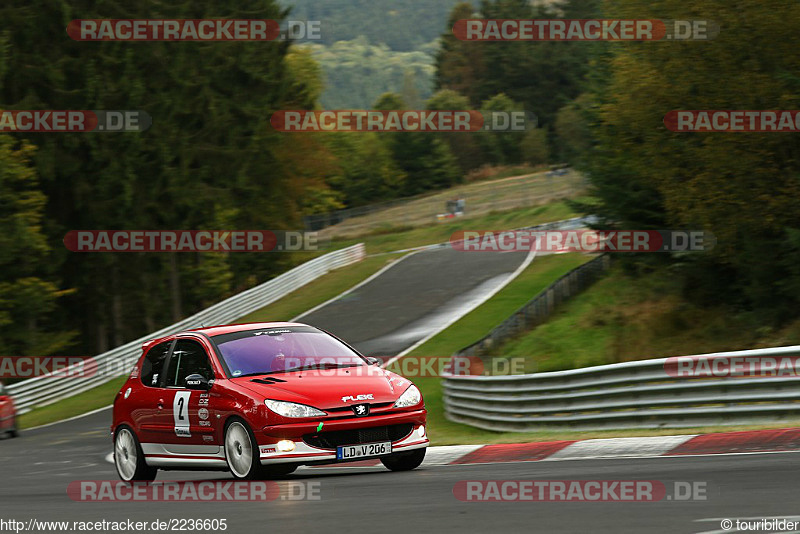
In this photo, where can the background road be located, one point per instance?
(383, 317)
(413, 298)
(37, 468)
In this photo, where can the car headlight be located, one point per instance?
(410, 397)
(291, 409)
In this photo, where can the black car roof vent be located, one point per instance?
(267, 380)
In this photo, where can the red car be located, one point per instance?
(8, 414)
(259, 400)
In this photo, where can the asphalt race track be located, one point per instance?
(37, 467)
(411, 299)
(384, 317)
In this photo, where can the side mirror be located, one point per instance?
(197, 382)
(373, 361)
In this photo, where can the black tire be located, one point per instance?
(241, 451)
(129, 458)
(278, 470)
(14, 432)
(404, 461)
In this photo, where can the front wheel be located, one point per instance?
(129, 458)
(404, 461)
(14, 432)
(241, 451)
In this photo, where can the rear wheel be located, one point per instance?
(404, 461)
(129, 458)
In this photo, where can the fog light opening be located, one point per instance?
(285, 445)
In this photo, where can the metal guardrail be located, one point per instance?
(640, 394)
(540, 307)
(41, 391)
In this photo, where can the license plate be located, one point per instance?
(362, 451)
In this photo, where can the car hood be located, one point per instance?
(325, 389)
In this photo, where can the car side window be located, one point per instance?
(2, 391)
(188, 358)
(153, 364)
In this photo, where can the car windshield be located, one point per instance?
(279, 350)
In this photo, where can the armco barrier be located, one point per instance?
(640, 394)
(41, 391)
(538, 309)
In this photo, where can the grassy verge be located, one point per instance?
(391, 239)
(93, 399)
(322, 289)
(623, 318)
(620, 318)
(539, 274)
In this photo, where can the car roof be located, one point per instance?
(212, 331)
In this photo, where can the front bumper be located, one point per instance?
(304, 453)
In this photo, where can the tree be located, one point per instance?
(209, 158)
(742, 187)
(425, 159)
(534, 148)
(463, 145)
(29, 292)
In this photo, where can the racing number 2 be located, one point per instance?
(180, 412)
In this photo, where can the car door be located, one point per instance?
(185, 410)
(146, 399)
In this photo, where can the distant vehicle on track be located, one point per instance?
(260, 400)
(8, 413)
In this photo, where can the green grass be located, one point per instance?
(624, 318)
(93, 399)
(620, 318)
(470, 328)
(321, 290)
(391, 239)
(318, 291)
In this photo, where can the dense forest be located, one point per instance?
(211, 159)
(370, 47)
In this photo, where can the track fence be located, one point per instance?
(41, 391)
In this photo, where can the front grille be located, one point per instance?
(331, 440)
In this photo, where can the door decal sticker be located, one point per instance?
(180, 411)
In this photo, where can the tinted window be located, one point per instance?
(153, 365)
(188, 358)
(2, 391)
(277, 350)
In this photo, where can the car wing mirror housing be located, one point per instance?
(373, 361)
(197, 382)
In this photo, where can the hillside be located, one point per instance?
(370, 47)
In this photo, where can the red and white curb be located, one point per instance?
(778, 440)
(755, 441)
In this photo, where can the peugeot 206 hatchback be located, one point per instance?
(260, 400)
